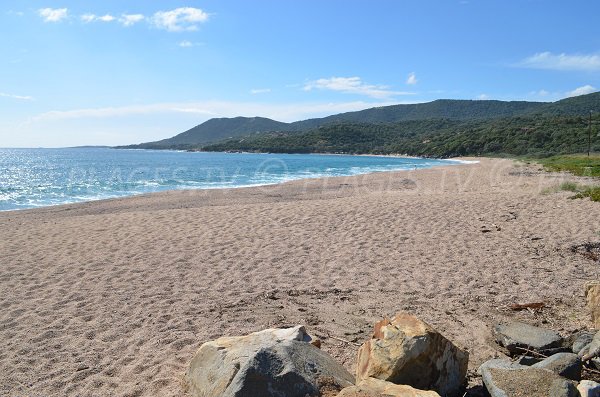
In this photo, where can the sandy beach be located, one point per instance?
(112, 298)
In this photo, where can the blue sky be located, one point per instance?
(118, 72)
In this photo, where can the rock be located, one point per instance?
(591, 352)
(372, 387)
(584, 351)
(592, 296)
(405, 350)
(588, 388)
(567, 365)
(504, 378)
(581, 340)
(269, 363)
(518, 336)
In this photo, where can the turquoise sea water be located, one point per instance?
(40, 177)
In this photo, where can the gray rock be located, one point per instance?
(516, 337)
(567, 365)
(581, 340)
(563, 388)
(269, 363)
(588, 388)
(584, 351)
(503, 378)
(594, 345)
(592, 350)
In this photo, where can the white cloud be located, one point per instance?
(353, 85)
(548, 60)
(412, 79)
(106, 18)
(188, 44)
(179, 19)
(131, 19)
(586, 89)
(483, 97)
(20, 97)
(53, 14)
(255, 91)
(87, 18)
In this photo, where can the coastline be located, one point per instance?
(113, 297)
(75, 200)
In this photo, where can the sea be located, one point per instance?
(31, 178)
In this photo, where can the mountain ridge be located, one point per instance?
(217, 130)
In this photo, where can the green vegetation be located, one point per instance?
(582, 191)
(593, 192)
(213, 130)
(564, 187)
(440, 128)
(535, 136)
(581, 165)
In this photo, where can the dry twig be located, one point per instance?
(344, 340)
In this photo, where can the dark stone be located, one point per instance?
(503, 378)
(567, 365)
(517, 338)
(581, 340)
(528, 360)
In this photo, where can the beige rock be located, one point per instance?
(407, 351)
(592, 295)
(269, 363)
(372, 387)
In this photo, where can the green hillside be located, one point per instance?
(214, 130)
(531, 135)
(441, 128)
(451, 109)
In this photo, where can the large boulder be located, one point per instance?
(407, 351)
(269, 363)
(518, 338)
(592, 296)
(372, 387)
(503, 378)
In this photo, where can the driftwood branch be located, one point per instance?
(343, 340)
(524, 349)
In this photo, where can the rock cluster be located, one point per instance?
(548, 365)
(404, 358)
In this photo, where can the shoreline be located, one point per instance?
(459, 160)
(113, 297)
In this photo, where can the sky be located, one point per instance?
(117, 72)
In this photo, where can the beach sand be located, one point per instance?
(112, 298)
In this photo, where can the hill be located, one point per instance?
(214, 130)
(439, 128)
(451, 109)
(553, 128)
